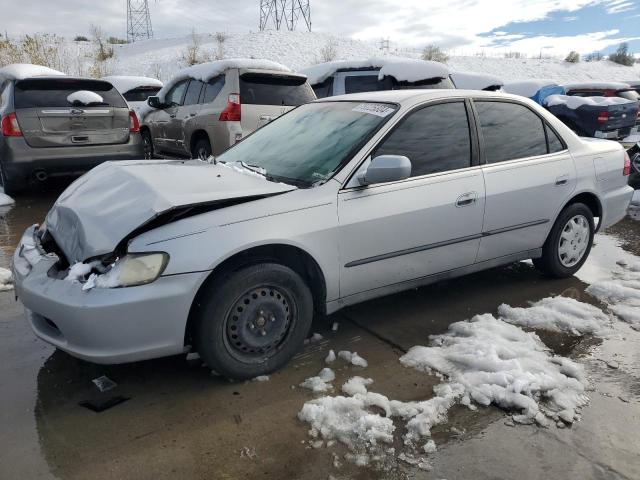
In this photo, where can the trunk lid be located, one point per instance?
(104, 207)
(622, 116)
(50, 114)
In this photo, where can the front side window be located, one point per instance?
(284, 150)
(510, 131)
(435, 139)
(176, 94)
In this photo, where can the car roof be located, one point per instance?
(597, 86)
(413, 96)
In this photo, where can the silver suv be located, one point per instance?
(62, 125)
(196, 118)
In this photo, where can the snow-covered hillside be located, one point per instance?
(161, 58)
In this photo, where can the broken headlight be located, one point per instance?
(131, 270)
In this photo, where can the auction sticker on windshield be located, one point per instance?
(378, 109)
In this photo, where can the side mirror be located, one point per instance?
(155, 102)
(386, 168)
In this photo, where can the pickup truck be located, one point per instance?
(595, 116)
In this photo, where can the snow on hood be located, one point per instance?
(528, 88)
(597, 86)
(20, 71)
(402, 69)
(474, 80)
(125, 83)
(573, 102)
(206, 71)
(100, 209)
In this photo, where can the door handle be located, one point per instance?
(173, 115)
(562, 180)
(466, 199)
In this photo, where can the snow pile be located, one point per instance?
(498, 363)
(6, 279)
(621, 292)
(79, 271)
(353, 358)
(321, 382)
(20, 71)
(84, 97)
(125, 83)
(528, 88)
(331, 357)
(206, 71)
(573, 102)
(402, 69)
(559, 314)
(475, 81)
(5, 199)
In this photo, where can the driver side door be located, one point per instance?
(166, 140)
(394, 233)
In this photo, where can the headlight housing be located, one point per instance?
(131, 270)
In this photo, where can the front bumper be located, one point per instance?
(103, 325)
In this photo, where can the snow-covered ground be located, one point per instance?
(162, 58)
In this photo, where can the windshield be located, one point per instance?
(48, 92)
(310, 143)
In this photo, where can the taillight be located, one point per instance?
(231, 113)
(10, 126)
(626, 171)
(603, 117)
(134, 124)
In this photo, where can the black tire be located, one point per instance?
(147, 140)
(253, 321)
(202, 149)
(555, 262)
(9, 185)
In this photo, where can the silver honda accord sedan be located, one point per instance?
(337, 202)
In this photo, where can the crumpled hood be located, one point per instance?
(100, 209)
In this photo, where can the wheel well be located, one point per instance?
(591, 201)
(144, 128)
(197, 135)
(293, 257)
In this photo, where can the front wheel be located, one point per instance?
(253, 321)
(148, 145)
(569, 242)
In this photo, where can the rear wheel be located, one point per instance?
(10, 186)
(147, 144)
(202, 149)
(253, 321)
(569, 242)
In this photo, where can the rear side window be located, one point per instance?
(366, 83)
(176, 94)
(555, 144)
(432, 83)
(629, 95)
(435, 139)
(193, 92)
(48, 92)
(324, 89)
(212, 89)
(510, 131)
(140, 94)
(264, 89)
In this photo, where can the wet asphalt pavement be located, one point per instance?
(178, 421)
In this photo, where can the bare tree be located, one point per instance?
(573, 57)
(221, 38)
(434, 54)
(329, 52)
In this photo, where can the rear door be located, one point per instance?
(265, 96)
(529, 174)
(402, 231)
(62, 112)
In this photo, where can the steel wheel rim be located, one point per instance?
(574, 241)
(258, 323)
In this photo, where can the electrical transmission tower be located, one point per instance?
(284, 14)
(138, 20)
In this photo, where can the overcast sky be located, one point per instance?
(552, 26)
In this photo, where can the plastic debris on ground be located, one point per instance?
(104, 383)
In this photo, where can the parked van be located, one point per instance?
(207, 108)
